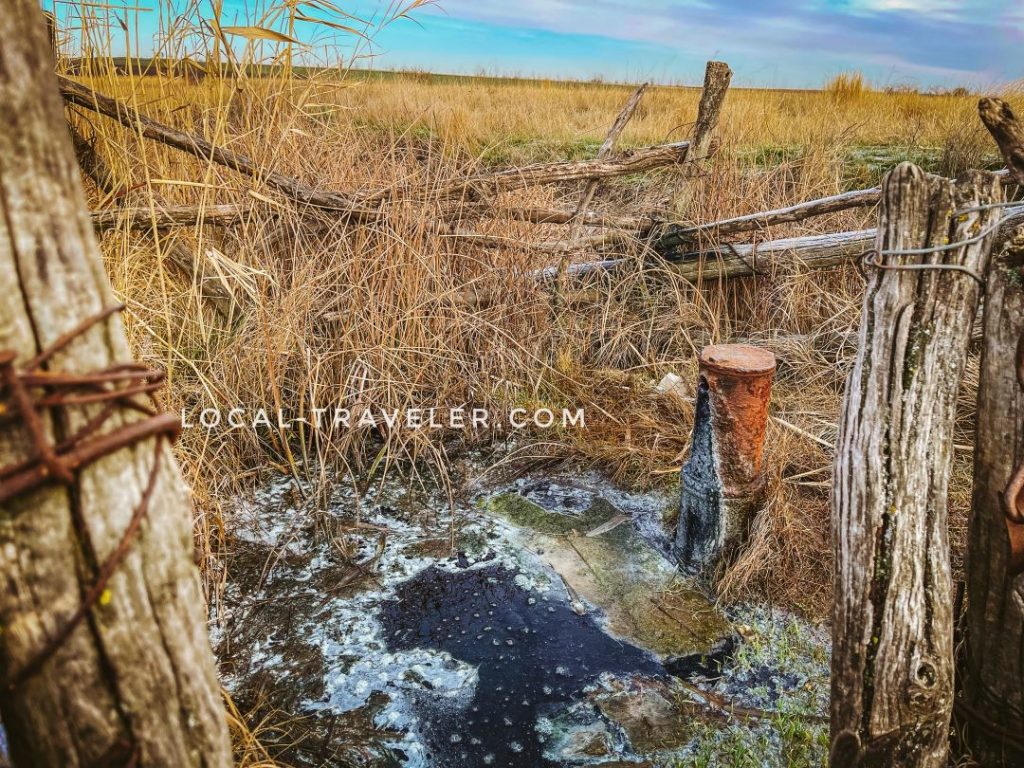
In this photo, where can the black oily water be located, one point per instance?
(533, 653)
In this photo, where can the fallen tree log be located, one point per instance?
(586, 218)
(669, 235)
(731, 261)
(545, 246)
(675, 235)
(85, 97)
(630, 161)
(749, 259)
(145, 218)
(364, 208)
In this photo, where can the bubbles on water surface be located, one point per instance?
(554, 656)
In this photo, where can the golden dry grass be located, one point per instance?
(333, 314)
(488, 114)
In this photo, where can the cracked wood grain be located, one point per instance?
(138, 670)
(892, 666)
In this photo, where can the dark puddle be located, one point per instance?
(533, 653)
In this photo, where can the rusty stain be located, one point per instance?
(1015, 562)
(1013, 496)
(721, 486)
(739, 379)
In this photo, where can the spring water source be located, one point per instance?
(554, 632)
(531, 655)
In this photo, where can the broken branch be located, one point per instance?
(675, 235)
(609, 144)
(146, 218)
(1008, 132)
(85, 97)
(632, 161)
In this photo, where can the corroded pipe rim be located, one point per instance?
(741, 360)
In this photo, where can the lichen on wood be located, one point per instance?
(135, 681)
(892, 670)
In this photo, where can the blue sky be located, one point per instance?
(767, 42)
(923, 43)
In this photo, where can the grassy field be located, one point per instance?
(321, 313)
(325, 313)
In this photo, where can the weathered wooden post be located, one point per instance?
(104, 658)
(721, 485)
(892, 630)
(993, 674)
(717, 77)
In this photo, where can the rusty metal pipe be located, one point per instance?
(721, 485)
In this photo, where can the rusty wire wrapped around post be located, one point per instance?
(29, 391)
(721, 485)
(1013, 496)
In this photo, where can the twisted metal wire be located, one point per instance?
(871, 257)
(116, 388)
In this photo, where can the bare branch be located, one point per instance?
(609, 144)
(145, 218)
(674, 235)
(83, 96)
(1008, 132)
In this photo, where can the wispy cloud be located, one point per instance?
(928, 41)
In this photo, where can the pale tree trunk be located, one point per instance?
(892, 633)
(993, 674)
(136, 677)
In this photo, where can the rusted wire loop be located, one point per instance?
(115, 387)
(1013, 496)
(985, 232)
(28, 392)
(872, 258)
(869, 259)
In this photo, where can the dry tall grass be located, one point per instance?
(329, 314)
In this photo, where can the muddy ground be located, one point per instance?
(529, 622)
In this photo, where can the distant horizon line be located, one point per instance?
(146, 62)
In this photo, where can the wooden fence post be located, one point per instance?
(993, 675)
(717, 77)
(104, 657)
(892, 633)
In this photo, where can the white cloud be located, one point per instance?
(924, 6)
(899, 37)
